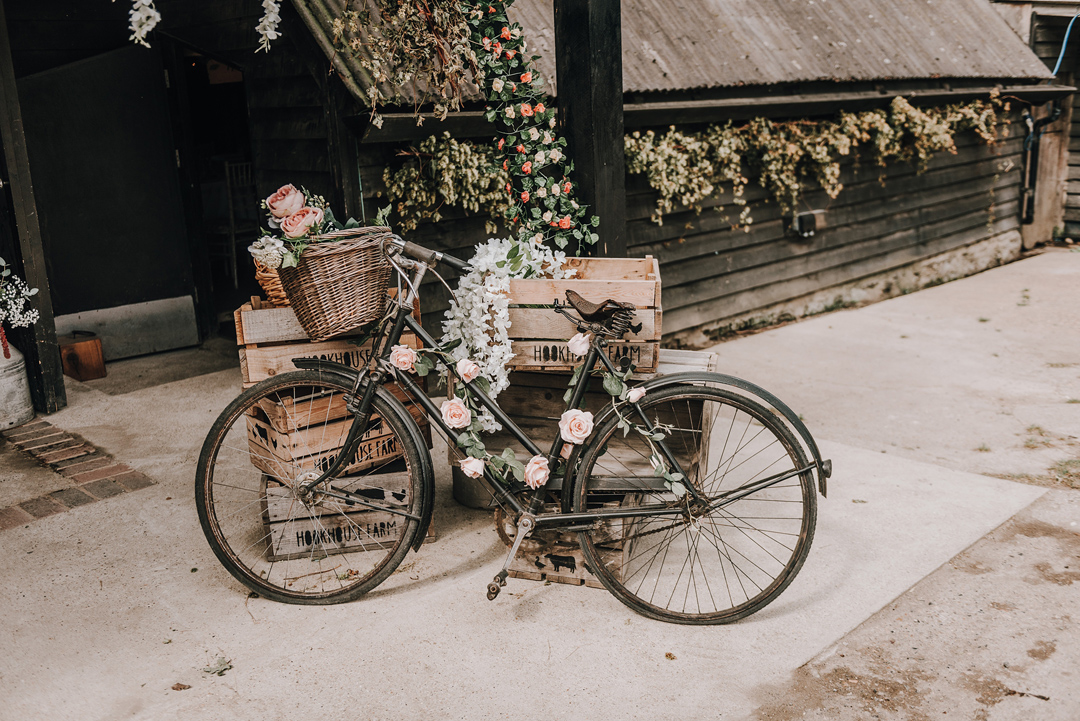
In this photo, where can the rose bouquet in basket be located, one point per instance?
(333, 275)
(301, 218)
(14, 297)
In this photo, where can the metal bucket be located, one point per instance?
(16, 407)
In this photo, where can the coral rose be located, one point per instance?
(526, 167)
(565, 223)
(472, 467)
(302, 222)
(575, 425)
(539, 108)
(635, 394)
(502, 142)
(505, 34)
(579, 344)
(527, 78)
(286, 201)
(455, 413)
(402, 357)
(526, 110)
(467, 370)
(567, 186)
(536, 472)
(525, 197)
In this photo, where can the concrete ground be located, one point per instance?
(940, 582)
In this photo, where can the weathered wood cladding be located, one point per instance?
(711, 271)
(1047, 35)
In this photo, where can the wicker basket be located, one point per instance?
(340, 283)
(271, 284)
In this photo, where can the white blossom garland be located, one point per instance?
(268, 24)
(15, 311)
(480, 314)
(143, 18)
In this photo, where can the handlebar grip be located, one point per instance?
(426, 255)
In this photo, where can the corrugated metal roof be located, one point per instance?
(687, 44)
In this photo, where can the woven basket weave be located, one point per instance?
(340, 282)
(271, 285)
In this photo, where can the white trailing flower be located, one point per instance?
(479, 316)
(497, 85)
(268, 25)
(14, 298)
(143, 18)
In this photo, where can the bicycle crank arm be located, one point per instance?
(351, 498)
(524, 528)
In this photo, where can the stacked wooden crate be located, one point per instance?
(306, 434)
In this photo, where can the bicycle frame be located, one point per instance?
(383, 371)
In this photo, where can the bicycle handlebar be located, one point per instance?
(426, 255)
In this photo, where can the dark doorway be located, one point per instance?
(105, 170)
(221, 175)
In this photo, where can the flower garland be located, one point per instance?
(464, 413)
(542, 206)
(144, 17)
(14, 298)
(477, 323)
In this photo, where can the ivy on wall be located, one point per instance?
(686, 168)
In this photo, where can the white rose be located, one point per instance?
(541, 192)
(547, 217)
(533, 133)
(555, 155)
(509, 111)
(635, 394)
(497, 86)
(538, 238)
(455, 413)
(547, 137)
(402, 357)
(555, 189)
(575, 425)
(536, 472)
(551, 123)
(467, 370)
(539, 158)
(472, 467)
(579, 344)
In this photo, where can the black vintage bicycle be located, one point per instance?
(313, 485)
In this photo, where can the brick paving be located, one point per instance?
(95, 473)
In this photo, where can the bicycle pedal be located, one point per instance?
(493, 591)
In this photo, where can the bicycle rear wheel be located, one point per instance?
(703, 563)
(307, 547)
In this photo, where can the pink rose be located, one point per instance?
(536, 472)
(575, 425)
(579, 344)
(472, 467)
(455, 413)
(402, 357)
(635, 394)
(286, 201)
(567, 449)
(467, 370)
(302, 222)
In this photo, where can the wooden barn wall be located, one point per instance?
(1047, 35)
(46, 35)
(713, 271)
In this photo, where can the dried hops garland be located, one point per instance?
(688, 167)
(416, 43)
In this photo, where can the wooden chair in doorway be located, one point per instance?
(241, 227)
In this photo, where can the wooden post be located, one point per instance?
(42, 354)
(588, 66)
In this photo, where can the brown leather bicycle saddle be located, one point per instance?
(595, 312)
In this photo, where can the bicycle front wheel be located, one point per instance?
(705, 562)
(298, 546)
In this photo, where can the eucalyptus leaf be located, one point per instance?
(613, 385)
(678, 489)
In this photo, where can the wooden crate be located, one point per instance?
(556, 557)
(534, 402)
(270, 338)
(344, 528)
(538, 335)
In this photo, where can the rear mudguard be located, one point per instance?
(427, 470)
(824, 467)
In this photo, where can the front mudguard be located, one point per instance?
(751, 390)
(348, 376)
